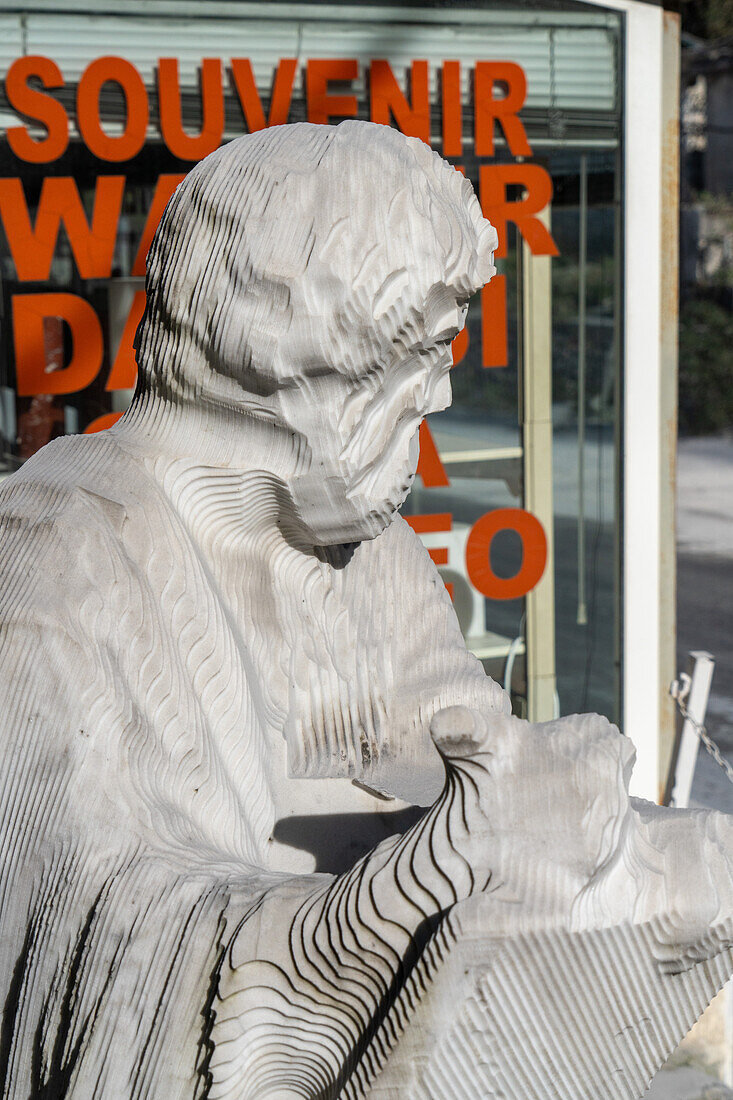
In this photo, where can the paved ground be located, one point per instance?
(686, 1083)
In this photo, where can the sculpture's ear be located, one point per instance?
(458, 732)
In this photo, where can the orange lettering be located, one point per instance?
(183, 145)
(488, 110)
(493, 182)
(388, 101)
(478, 550)
(164, 188)
(438, 521)
(124, 369)
(249, 98)
(95, 76)
(93, 245)
(34, 373)
(322, 106)
(459, 347)
(38, 106)
(452, 116)
(101, 423)
(429, 466)
(494, 349)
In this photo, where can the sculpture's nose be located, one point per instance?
(442, 395)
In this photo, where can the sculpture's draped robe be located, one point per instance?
(162, 671)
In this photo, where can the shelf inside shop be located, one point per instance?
(484, 454)
(489, 645)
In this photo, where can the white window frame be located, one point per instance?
(651, 167)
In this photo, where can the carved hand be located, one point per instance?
(306, 981)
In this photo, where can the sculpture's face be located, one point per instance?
(363, 432)
(314, 278)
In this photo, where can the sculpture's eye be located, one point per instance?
(444, 344)
(446, 338)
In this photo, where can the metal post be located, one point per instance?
(702, 666)
(695, 691)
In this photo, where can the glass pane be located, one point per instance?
(491, 468)
(586, 369)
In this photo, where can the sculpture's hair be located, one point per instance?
(268, 228)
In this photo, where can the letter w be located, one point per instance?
(32, 247)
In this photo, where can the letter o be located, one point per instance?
(95, 76)
(534, 553)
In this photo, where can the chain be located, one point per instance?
(706, 739)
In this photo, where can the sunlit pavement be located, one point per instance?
(685, 1083)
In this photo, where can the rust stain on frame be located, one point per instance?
(669, 194)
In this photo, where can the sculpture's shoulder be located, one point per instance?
(403, 547)
(396, 590)
(70, 479)
(59, 526)
(401, 566)
(59, 515)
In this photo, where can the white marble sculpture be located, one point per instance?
(225, 668)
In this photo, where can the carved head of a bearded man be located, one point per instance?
(270, 302)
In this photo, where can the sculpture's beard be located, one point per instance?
(333, 506)
(403, 482)
(381, 490)
(386, 482)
